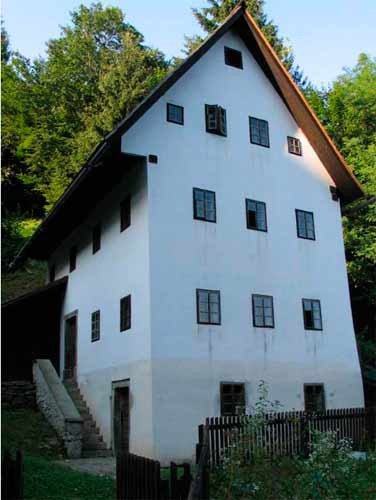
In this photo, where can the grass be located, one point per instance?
(45, 479)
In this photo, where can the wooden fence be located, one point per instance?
(285, 433)
(142, 479)
(12, 477)
(199, 489)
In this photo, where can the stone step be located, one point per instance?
(93, 446)
(96, 453)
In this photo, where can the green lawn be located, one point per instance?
(44, 479)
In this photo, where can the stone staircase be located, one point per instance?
(93, 445)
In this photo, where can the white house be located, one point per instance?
(204, 249)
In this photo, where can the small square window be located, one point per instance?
(208, 307)
(125, 214)
(215, 119)
(175, 114)
(294, 146)
(95, 325)
(204, 207)
(232, 398)
(256, 215)
(312, 314)
(233, 58)
(263, 312)
(125, 313)
(305, 224)
(72, 259)
(96, 238)
(52, 273)
(259, 132)
(314, 398)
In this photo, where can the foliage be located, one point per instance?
(210, 17)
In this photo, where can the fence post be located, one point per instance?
(304, 436)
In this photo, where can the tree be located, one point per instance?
(72, 110)
(210, 17)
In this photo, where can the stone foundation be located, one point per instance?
(18, 394)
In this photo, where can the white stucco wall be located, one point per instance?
(190, 360)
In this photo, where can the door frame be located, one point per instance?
(67, 317)
(119, 384)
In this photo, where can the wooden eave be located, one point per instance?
(48, 236)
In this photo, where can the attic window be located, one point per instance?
(259, 132)
(215, 119)
(294, 145)
(233, 58)
(175, 114)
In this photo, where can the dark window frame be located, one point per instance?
(262, 203)
(291, 146)
(323, 396)
(313, 328)
(209, 322)
(72, 258)
(125, 214)
(96, 325)
(168, 108)
(220, 128)
(97, 237)
(125, 313)
(233, 395)
(305, 212)
(259, 295)
(228, 52)
(204, 218)
(253, 141)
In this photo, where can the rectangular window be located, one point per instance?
(233, 58)
(204, 207)
(312, 314)
(215, 119)
(95, 326)
(263, 313)
(232, 398)
(125, 313)
(125, 214)
(208, 307)
(314, 398)
(256, 215)
(72, 259)
(294, 146)
(96, 238)
(305, 224)
(259, 131)
(52, 273)
(175, 114)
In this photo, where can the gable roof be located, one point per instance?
(45, 239)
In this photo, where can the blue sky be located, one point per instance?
(326, 35)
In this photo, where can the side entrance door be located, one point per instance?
(121, 419)
(70, 351)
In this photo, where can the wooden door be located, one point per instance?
(121, 420)
(70, 348)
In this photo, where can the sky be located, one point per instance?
(326, 35)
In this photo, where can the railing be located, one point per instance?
(285, 433)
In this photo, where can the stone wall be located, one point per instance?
(18, 394)
(57, 407)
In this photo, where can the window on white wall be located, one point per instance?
(125, 313)
(204, 206)
(263, 311)
(232, 398)
(312, 314)
(259, 131)
(208, 307)
(216, 122)
(256, 215)
(95, 325)
(314, 398)
(233, 58)
(294, 146)
(175, 114)
(305, 224)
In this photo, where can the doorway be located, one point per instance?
(70, 351)
(121, 418)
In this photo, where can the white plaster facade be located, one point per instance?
(174, 365)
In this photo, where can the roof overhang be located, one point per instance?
(104, 167)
